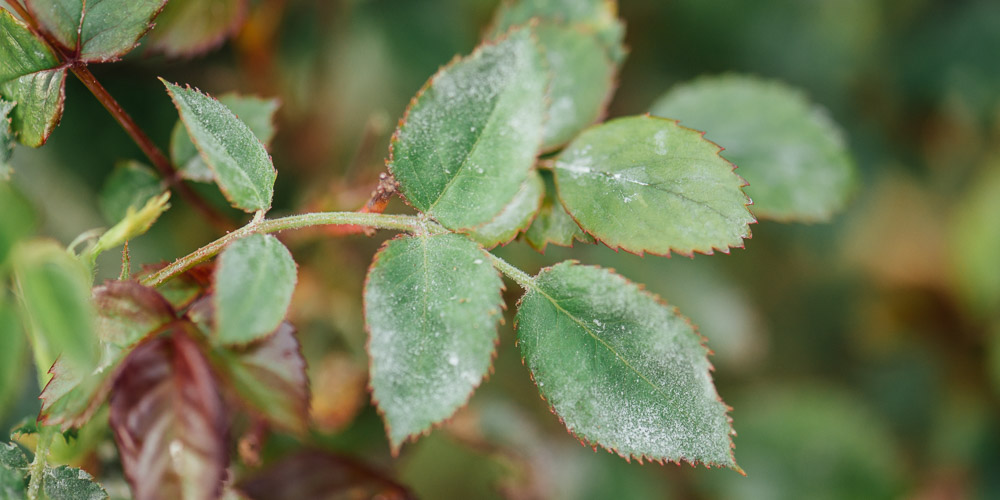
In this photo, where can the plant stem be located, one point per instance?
(147, 146)
(410, 223)
(525, 280)
(37, 467)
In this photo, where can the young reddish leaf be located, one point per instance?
(96, 31)
(647, 184)
(128, 311)
(188, 28)
(621, 369)
(270, 377)
(168, 420)
(31, 77)
(515, 217)
(431, 304)
(254, 281)
(470, 136)
(787, 148)
(319, 474)
(242, 167)
(553, 224)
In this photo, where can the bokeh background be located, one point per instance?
(861, 357)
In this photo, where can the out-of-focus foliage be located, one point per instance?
(871, 339)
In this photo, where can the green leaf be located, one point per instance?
(515, 217)
(130, 185)
(254, 281)
(787, 148)
(18, 220)
(621, 369)
(431, 304)
(975, 237)
(13, 471)
(471, 135)
(31, 76)
(256, 113)
(646, 184)
(242, 166)
(12, 355)
(169, 420)
(96, 31)
(270, 377)
(6, 140)
(582, 81)
(55, 293)
(187, 28)
(69, 483)
(597, 16)
(553, 224)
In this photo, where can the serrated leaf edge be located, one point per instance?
(703, 342)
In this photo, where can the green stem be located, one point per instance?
(37, 468)
(409, 223)
(525, 280)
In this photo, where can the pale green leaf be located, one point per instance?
(621, 369)
(787, 148)
(6, 140)
(553, 224)
(515, 217)
(18, 220)
(97, 30)
(242, 167)
(431, 304)
(54, 289)
(646, 184)
(469, 138)
(256, 113)
(130, 185)
(975, 238)
(254, 280)
(597, 16)
(582, 81)
(270, 376)
(188, 28)
(134, 224)
(12, 355)
(31, 77)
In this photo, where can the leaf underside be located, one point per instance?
(621, 369)
(31, 77)
(469, 138)
(646, 184)
(168, 420)
(432, 304)
(788, 149)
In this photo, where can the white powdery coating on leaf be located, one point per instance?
(620, 369)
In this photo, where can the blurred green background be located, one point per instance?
(861, 357)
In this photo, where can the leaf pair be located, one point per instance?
(58, 483)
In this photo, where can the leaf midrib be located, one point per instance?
(602, 342)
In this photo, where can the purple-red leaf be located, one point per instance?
(128, 311)
(169, 421)
(317, 474)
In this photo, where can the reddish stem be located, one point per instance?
(140, 138)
